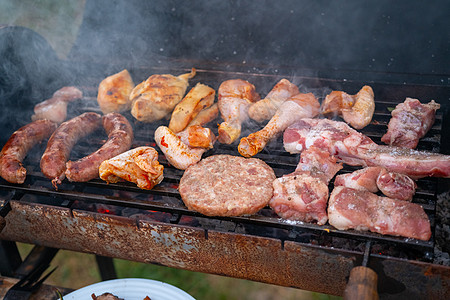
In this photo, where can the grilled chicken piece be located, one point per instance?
(114, 92)
(354, 148)
(139, 165)
(295, 108)
(55, 108)
(393, 185)
(234, 99)
(205, 116)
(186, 148)
(199, 98)
(410, 121)
(265, 109)
(362, 210)
(197, 136)
(303, 194)
(357, 110)
(156, 97)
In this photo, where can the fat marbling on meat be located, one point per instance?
(374, 179)
(362, 210)
(354, 148)
(303, 194)
(410, 121)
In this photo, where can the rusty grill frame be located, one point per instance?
(259, 247)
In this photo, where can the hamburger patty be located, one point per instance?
(225, 185)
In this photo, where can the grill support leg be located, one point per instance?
(106, 267)
(10, 258)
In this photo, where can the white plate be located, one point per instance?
(131, 289)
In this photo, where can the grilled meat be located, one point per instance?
(157, 96)
(410, 121)
(226, 185)
(303, 194)
(205, 116)
(357, 110)
(60, 144)
(105, 296)
(199, 98)
(393, 185)
(184, 150)
(139, 165)
(354, 148)
(114, 92)
(17, 147)
(265, 109)
(234, 98)
(120, 137)
(295, 108)
(362, 210)
(55, 108)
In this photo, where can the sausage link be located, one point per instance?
(60, 144)
(17, 147)
(120, 137)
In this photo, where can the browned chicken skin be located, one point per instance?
(357, 110)
(265, 109)
(139, 165)
(157, 96)
(235, 97)
(114, 92)
(295, 108)
(199, 98)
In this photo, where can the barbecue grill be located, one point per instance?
(122, 221)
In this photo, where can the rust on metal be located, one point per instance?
(236, 255)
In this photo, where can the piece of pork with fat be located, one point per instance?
(354, 148)
(303, 194)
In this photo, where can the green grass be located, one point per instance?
(76, 270)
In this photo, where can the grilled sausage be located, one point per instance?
(17, 147)
(53, 161)
(120, 137)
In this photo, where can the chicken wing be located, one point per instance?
(139, 165)
(183, 150)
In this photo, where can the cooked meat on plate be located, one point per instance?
(226, 185)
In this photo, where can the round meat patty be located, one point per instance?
(226, 185)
